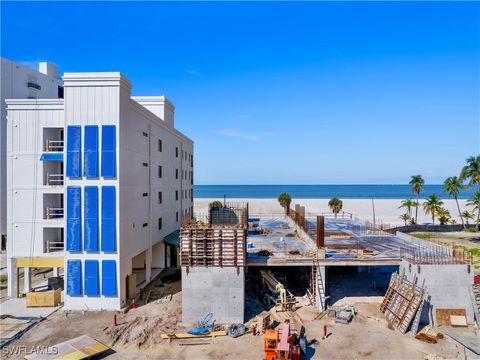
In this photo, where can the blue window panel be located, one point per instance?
(74, 218)
(90, 156)
(91, 278)
(51, 157)
(109, 278)
(108, 219)
(90, 225)
(108, 150)
(74, 277)
(74, 155)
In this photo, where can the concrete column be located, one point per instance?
(148, 264)
(55, 271)
(12, 273)
(320, 232)
(27, 279)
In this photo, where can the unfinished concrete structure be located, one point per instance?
(212, 256)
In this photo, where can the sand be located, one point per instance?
(386, 210)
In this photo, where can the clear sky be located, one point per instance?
(284, 93)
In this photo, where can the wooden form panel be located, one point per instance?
(212, 246)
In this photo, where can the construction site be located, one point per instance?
(287, 286)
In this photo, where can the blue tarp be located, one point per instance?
(74, 275)
(90, 237)
(108, 219)
(108, 150)
(109, 278)
(51, 157)
(173, 238)
(74, 142)
(74, 218)
(91, 278)
(90, 156)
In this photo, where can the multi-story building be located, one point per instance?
(98, 183)
(21, 82)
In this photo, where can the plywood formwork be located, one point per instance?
(213, 246)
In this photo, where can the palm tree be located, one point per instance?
(285, 199)
(475, 202)
(216, 204)
(405, 217)
(471, 171)
(452, 186)
(336, 205)
(432, 206)
(467, 215)
(417, 183)
(443, 216)
(408, 204)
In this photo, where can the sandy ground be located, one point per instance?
(386, 210)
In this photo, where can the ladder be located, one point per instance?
(317, 286)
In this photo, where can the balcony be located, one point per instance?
(32, 85)
(53, 240)
(54, 145)
(54, 179)
(54, 213)
(53, 246)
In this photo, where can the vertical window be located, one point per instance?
(74, 276)
(108, 219)
(159, 172)
(176, 216)
(108, 151)
(176, 194)
(159, 223)
(91, 278)
(90, 237)
(109, 278)
(176, 152)
(176, 173)
(159, 145)
(74, 156)
(90, 157)
(159, 197)
(74, 218)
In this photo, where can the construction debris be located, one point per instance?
(443, 315)
(172, 336)
(426, 338)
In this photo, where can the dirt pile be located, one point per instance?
(144, 325)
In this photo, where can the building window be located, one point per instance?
(145, 134)
(176, 194)
(176, 216)
(159, 172)
(145, 164)
(145, 224)
(145, 194)
(176, 152)
(176, 173)
(159, 223)
(159, 145)
(159, 197)
(60, 92)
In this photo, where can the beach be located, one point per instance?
(386, 210)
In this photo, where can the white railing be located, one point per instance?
(53, 213)
(53, 245)
(54, 145)
(54, 179)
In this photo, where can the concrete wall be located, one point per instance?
(447, 286)
(220, 291)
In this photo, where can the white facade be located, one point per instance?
(137, 204)
(20, 82)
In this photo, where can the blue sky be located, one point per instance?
(284, 93)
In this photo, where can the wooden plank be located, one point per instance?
(458, 321)
(191, 336)
(44, 298)
(37, 262)
(443, 315)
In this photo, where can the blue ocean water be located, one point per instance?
(320, 191)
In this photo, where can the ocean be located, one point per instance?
(320, 191)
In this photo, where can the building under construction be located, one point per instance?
(226, 253)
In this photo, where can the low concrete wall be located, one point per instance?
(308, 240)
(220, 291)
(431, 228)
(447, 286)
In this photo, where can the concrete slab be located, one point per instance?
(18, 308)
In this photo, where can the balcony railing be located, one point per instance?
(54, 145)
(54, 179)
(53, 213)
(55, 245)
(33, 85)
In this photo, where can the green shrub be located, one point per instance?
(425, 236)
(471, 229)
(3, 278)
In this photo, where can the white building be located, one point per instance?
(20, 82)
(105, 205)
